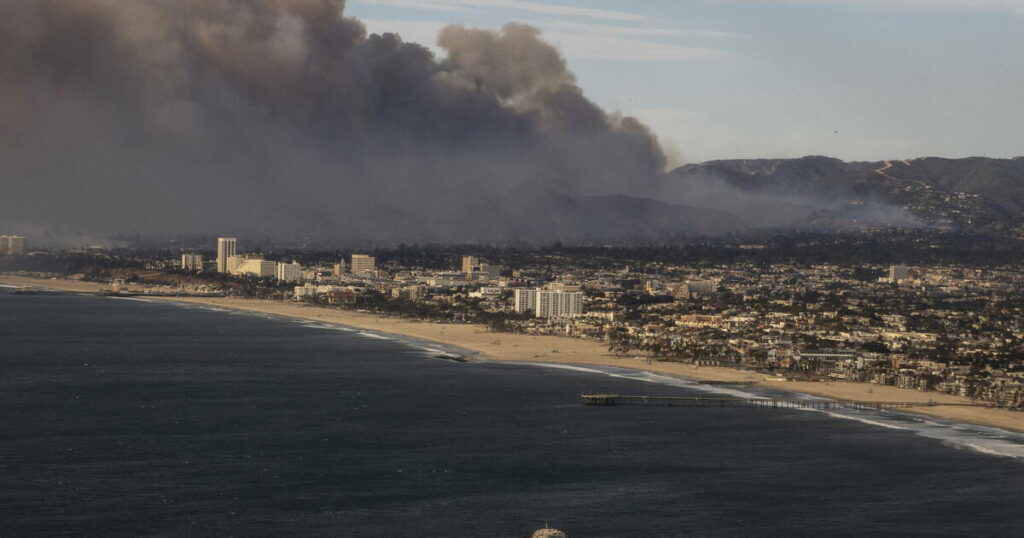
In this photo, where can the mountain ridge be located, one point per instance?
(966, 193)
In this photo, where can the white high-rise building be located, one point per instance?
(549, 303)
(525, 300)
(559, 304)
(289, 272)
(12, 244)
(226, 248)
(192, 262)
(362, 263)
(469, 264)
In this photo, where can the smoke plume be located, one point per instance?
(284, 118)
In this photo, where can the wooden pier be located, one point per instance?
(758, 403)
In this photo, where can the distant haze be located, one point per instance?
(284, 118)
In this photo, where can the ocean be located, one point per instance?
(138, 418)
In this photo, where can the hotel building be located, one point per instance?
(226, 248)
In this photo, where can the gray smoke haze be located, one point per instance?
(284, 118)
(766, 208)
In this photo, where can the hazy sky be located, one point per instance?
(855, 79)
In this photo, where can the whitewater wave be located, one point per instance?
(374, 335)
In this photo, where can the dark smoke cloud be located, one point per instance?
(283, 118)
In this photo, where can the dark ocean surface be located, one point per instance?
(132, 418)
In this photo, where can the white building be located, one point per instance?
(701, 287)
(525, 300)
(289, 272)
(12, 244)
(696, 288)
(549, 303)
(226, 248)
(309, 290)
(257, 267)
(339, 268)
(234, 262)
(469, 264)
(898, 273)
(192, 262)
(362, 263)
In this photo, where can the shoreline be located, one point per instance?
(482, 344)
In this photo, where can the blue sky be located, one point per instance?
(855, 79)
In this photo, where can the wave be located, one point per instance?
(374, 335)
(326, 326)
(132, 299)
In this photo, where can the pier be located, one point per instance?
(757, 403)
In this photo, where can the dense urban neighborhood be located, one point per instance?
(952, 327)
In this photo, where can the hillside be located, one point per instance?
(970, 193)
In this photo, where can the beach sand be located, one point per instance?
(553, 349)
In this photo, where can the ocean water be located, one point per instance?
(136, 418)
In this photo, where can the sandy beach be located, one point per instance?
(553, 349)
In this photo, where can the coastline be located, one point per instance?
(554, 349)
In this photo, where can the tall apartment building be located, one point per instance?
(469, 264)
(549, 303)
(339, 268)
(289, 272)
(525, 300)
(362, 263)
(226, 248)
(12, 244)
(192, 262)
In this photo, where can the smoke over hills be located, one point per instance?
(284, 118)
(970, 194)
